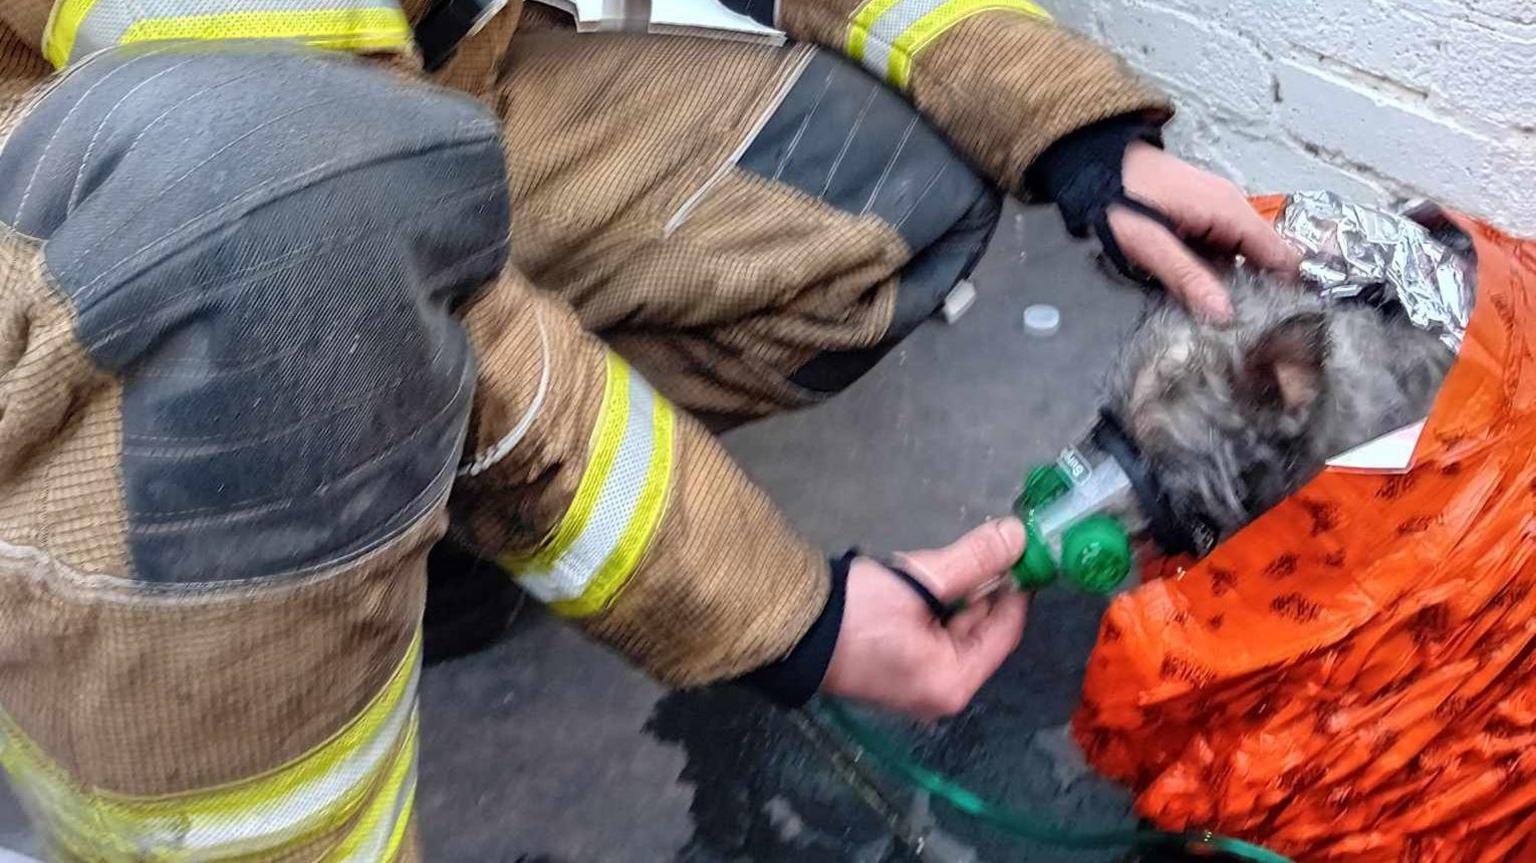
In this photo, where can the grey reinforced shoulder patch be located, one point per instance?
(845, 138)
(265, 246)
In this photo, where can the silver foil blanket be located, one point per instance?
(1353, 251)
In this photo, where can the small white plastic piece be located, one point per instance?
(959, 300)
(1042, 320)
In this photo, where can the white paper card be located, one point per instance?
(706, 18)
(1390, 453)
(708, 15)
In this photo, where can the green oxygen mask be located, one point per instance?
(1079, 515)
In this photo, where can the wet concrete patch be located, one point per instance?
(764, 792)
(761, 790)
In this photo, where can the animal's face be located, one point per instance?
(1233, 419)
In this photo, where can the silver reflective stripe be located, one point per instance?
(622, 490)
(108, 20)
(360, 770)
(281, 817)
(891, 24)
(382, 840)
(887, 35)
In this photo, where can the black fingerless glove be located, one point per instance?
(1082, 175)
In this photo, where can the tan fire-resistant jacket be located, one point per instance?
(999, 82)
(697, 229)
(716, 583)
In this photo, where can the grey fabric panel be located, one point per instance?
(924, 282)
(928, 278)
(845, 138)
(265, 245)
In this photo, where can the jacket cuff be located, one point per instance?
(791, 681)
(1083, 170)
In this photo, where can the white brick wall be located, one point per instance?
(1377, 99)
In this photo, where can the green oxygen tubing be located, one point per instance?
(889, 755)
(1071, 541)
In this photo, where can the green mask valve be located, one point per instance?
(1067, 536)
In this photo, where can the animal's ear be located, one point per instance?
(1284, 368)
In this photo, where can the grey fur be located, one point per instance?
(1233, 419)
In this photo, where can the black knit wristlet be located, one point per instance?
(791, 681)
(1082, 175)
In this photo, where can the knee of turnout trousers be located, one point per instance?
(235, 397)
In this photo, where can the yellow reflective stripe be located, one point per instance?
(402, 822)
(641, 531)
(858, 26)
(315, 794)
(933, 25)
(63, 25)
(885, 35)
(606, 437)
(340, 29)
(379, 832)
(619, 502)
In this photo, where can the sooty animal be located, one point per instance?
(1233, 419)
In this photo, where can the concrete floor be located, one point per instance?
(545, 748)
(548, 749)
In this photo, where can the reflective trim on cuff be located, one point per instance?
(358, 785)
(77, 28)
(886, 35)
(614, 516)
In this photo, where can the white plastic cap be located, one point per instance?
(959, 301)
(1042, 320)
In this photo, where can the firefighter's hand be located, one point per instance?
(891, 651)
(1213, 216)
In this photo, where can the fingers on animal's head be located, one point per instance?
(1258, 242)
(1233, 225)
(1195, 284)
(1165, 256)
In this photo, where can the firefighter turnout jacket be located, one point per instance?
(269, 328)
